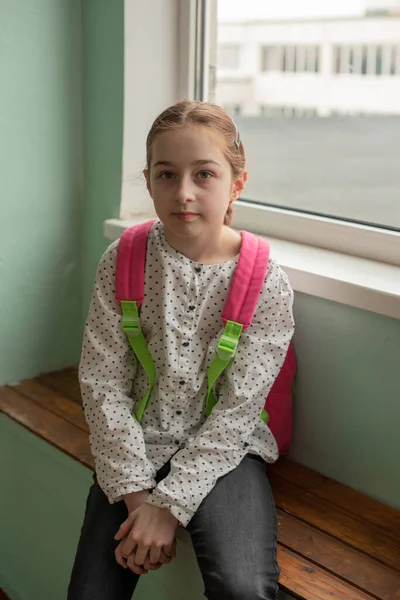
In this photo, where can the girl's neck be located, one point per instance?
(209, 251)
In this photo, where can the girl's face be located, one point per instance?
(190, 181)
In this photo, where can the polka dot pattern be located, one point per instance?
(181, 321)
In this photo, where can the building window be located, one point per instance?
(229, 56)
(379, 60)
(395, 60)
(290, 59)
(312, 59)
(272, 58)
(366, 60)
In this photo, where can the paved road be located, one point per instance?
(340, 166)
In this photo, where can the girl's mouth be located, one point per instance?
(185, 216)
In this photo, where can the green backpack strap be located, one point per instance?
(131, 326)
(129, 292)
(225, 353)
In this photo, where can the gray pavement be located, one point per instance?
(339, 166)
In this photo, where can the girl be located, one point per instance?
(180, 467)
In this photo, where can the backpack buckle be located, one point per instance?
(227, 347)
(229, 340)
(130, 318)
(131, 328)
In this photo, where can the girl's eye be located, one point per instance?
(167, 175)
(204, 174)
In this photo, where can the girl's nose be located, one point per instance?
(185, 192)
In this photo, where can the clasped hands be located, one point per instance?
(147, 537)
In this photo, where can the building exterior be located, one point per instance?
(316, 67)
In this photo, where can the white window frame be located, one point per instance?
(163, 71)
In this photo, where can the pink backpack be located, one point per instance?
(239, 309)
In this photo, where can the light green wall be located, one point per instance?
(40, 186)
(347, 406)
(102, 73)
(60, 172)
(41, 509)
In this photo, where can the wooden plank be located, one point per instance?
(359, 505)
(50, 427)
(65, 382)
(329, 519)
(309, 582)
(52, 401)
(349, 564)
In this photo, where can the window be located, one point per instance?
(319, 116)
(290, 59)
(312, 59)
(322, 155)
(272, 58)
(395, 60)
(228, 56)
(373, 60)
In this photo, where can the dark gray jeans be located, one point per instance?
(233, 534)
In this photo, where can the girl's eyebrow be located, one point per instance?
(167, 163)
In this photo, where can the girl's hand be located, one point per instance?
(148, 531)
(147, 566)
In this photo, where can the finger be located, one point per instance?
(118, 555)
(125, 527)
(138, 569)
(129, 546)
(154, 554)
(164, 559)
(141, 554)
(170, 550)
(147, 565)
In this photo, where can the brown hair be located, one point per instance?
(191, 112)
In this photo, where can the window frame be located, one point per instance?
(179, 58)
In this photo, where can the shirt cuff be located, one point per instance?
(162, 500)
(118, 493)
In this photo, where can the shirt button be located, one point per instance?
(197, 269)
(186, 344)
(192, 307)
(177, 442)
(178, 412)
(182, 382)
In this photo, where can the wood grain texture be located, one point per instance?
(310, 582)
(340, 559)
(64, 382)
(52, 401)
(360, 506)
(341, 525)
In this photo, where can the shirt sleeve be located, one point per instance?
(106, 371)
(222, 441)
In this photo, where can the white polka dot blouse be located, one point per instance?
(181, 321)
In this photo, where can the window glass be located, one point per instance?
(316, 98)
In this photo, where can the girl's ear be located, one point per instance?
(147, 178)
(238, 186)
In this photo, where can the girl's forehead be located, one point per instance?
(189, 143)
